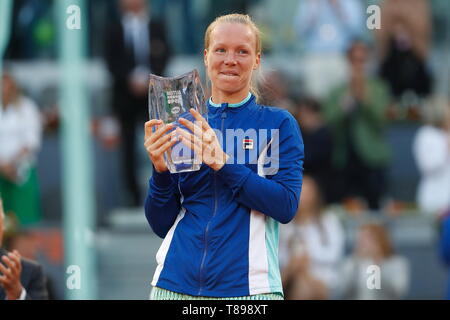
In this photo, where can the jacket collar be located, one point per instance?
(231, 105)
(214, 108)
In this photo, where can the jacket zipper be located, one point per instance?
(223, 116)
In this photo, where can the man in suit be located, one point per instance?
(20, 278)
(135, 47)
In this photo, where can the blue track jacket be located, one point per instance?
(220, 229)
(445, 247)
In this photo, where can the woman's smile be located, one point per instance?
(229, 74)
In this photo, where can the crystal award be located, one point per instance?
(169, 100)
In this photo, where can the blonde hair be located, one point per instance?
(246, 20)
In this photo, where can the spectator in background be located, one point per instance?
(311, 247)
(20, 140)
(356, 113)
(403, 43)
(20, 278)
(33, 31)
(135, 47)
(188, 26)
(326, 28)
(445, 246)
(217, 8)
(374, 248)
(27, 244)
(431, 150)
(317, 139)
(274, 91)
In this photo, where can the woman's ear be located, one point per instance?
(205, 57)
(257, 61)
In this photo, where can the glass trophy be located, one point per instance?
(169, 100)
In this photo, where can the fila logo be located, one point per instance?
(247, 144)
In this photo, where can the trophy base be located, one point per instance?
(183, 167)
(188, 163)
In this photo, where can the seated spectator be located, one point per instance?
(431, 150)
(29, 245)
(311, 247)
(373, 248)
(355, 111)
(317, 138)
(274, 91)
(20, 278)
(20, 139)
(403, 43)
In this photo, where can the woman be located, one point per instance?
(20, 139)
(312, 246)
(374, 271)
(220, 224)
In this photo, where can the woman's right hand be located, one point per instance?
(156, 143)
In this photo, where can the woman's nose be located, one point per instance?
(230, 59)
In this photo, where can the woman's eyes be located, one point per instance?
(241, 51)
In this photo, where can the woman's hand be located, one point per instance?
(204, 141)
(156, 143)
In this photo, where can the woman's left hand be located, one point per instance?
(204, 141)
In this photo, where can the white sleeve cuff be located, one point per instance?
(23, 294)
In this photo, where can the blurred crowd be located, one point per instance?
(354, 88)
(354, 85)
(313, 261)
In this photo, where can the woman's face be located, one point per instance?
(231, 58)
